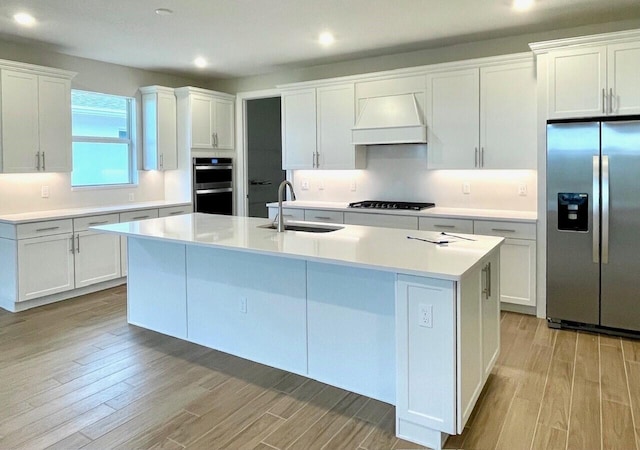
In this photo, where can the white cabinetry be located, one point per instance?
(482, 117)
(318, 215)
(174, 211)
(316, 128)
(132, 216)
(210, 118)
(446, 224)
(287, 213)
(35, 118)
(594, 80)
(381, 220)
(97, 255)
(159, 128)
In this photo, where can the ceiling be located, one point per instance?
(248, 37)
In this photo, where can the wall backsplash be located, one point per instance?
(400, 173)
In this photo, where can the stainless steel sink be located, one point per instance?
(306, 227)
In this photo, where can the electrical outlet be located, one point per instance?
(466, 187)
(354, 186)
(321, 185)
(131, 197)
(305, 185)
(425, 319)
(243, 305)
(522, 189)
(44, 191)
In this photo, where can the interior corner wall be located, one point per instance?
(21, 192)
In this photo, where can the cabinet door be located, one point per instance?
(490, 299)
(518, 272)
(623, 66)
(20, 135)
(45, 266)
(223, 128)
(299, 129)
(167, 138)
(452, 119)
(336, 115)
(54, 112)
(577, 82)
(97, 257)
(201, 121)
(508, 123)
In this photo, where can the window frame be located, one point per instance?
(130, 141)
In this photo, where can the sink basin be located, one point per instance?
(306, 227)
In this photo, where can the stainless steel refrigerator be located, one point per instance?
(593, 224)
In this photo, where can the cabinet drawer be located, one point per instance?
(514, 230)
(381, 220)
(48, 228)
(446, 224)
(141, 214)
(316, 215)
(288, 213)
(174, 211)
(83, 223)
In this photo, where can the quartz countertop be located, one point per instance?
(69, 213)
(359, 246)
(457, 213)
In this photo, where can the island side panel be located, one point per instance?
(156, 286)
(249, 305)
(426, 360)
(351, 329)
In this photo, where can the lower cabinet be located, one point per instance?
(287, 213)
(381, 220)
(97, 258)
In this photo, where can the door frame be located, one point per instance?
(241, 183)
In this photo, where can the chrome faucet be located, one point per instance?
(280, 194)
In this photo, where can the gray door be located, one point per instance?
(264, 154)
(573, 270)
(620, 306)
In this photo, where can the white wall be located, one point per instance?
(399, 172)
(21, 192)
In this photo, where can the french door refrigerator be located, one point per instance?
(593, 224)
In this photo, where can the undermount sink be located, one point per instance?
(306, 227)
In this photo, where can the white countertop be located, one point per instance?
(457, 213)
(367, 247)
(69, 213)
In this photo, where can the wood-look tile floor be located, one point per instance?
(76, 375)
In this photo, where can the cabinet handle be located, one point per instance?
(481, 156)
(322, 217)
(39, 230)
(287, 215)
(450, 227)
(175, 213)
(488, 280)
(98, 223)
(73, 246)
(610, 100)
(604, 101)
(313, 160)
(78, 246)
(503, 230)
(317, 159)
(475, 164)
(44, 162)
(38, 161)
(161, 161)
(140, 217)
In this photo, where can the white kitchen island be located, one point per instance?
(408, 322)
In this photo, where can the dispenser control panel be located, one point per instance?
(573, 211)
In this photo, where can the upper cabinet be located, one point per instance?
(35, 118)
(316, 128)
(159, 137)
(592, 76)
(482, 117)
(210, 117)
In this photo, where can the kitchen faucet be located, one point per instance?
(280, 195)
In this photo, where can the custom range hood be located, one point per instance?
(392, 119)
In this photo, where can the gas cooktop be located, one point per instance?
(380, 204)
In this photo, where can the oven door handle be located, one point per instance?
(213, 191)
(220, 167)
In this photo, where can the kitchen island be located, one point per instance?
(405, 321)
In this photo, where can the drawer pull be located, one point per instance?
(40, 230)
(444, 226)
(98, 223)
(140, 218)
(503, 230)
(322, 217)
(175, 213)
(287, 215)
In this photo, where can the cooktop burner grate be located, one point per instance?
(382, 204)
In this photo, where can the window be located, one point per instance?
(103, 149)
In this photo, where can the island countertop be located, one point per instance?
(352, 245)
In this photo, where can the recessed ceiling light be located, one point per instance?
(164, 12)
(522, 5)
(24, 19)
(325, 39)
(200, 62)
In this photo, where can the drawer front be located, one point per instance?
(175, 211)
(47, 228)
(8, 231)
(288, 213)
(515, 230)
(317, 215)
(83, 223)
(446, 225)
(381, 220)
(141, 214)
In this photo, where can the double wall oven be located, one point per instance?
(213, 185)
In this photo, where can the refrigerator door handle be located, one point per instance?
(596, 209)
(605, 210)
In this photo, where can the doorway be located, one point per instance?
(264, 154)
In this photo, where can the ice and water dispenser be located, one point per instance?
(573, 210)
